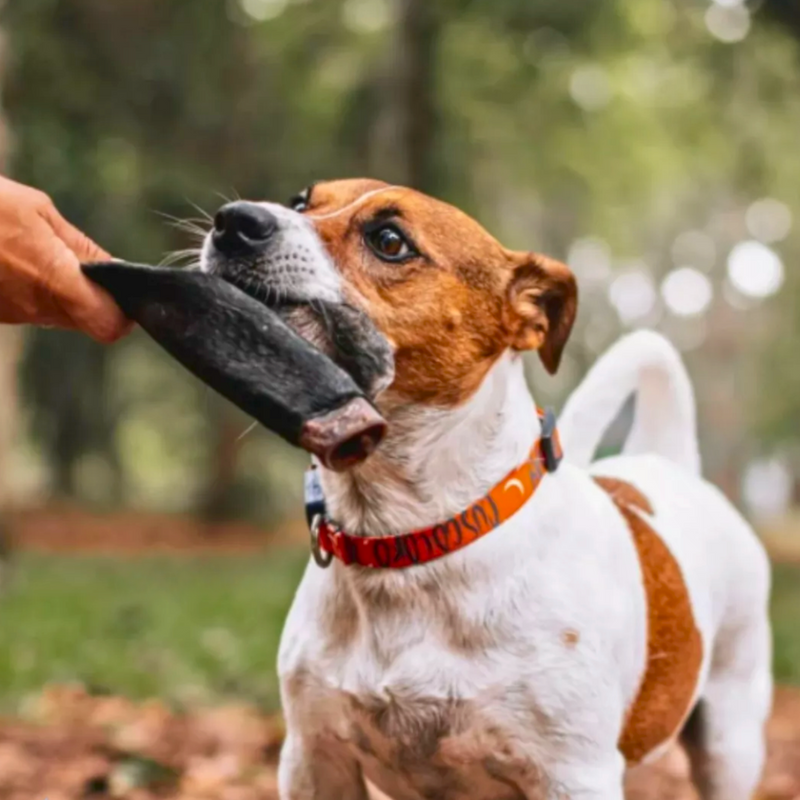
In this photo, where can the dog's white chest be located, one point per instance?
(415, 747)
(460, 687)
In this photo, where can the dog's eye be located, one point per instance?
(389, 243)
(300, 201)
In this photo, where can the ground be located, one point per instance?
(192, 617)
(80, 746)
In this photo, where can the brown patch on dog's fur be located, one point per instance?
(625, 494)
(674, 644)
(570, 638)
(454, 310)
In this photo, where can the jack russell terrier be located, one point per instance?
(480, 621)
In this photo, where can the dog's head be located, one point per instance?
(449, 297)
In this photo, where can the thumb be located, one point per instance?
(91, 309)
(84, 248)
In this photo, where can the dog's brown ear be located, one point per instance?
(542, 303)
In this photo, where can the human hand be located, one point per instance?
(41, 281)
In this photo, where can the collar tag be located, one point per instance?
(314, 496)
(551, 454)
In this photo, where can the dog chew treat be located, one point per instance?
(348, 337)
(247, 353)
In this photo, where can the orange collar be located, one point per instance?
(428, 544)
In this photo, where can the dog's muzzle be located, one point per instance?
(272, 252)
(275, 255)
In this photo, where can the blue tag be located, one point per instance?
(314, 496)
(313, 487)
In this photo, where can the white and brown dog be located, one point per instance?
(490, 626)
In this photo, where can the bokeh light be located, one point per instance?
(590, 87)
(633, 295)
(767, 488)
(729, 23)
(769, 220)
(755, 270)
(263, 10)
(590, 260)
(368, 16)
(687, 292)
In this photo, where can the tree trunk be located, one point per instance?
(219, 501)
(404, 131)
(416, 76)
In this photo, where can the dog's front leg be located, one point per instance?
(308, 771)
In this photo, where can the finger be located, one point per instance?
(89, 308)
(93, 311)
(84, 248)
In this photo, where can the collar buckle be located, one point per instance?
(322, 557)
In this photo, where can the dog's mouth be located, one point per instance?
(341, 331)
(272, 254)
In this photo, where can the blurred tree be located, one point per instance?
(603, 133)
(111, 143)
(406, 122)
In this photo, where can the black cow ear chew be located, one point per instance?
(349, 337)
(246, 352)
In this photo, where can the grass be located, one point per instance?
(187, 629)
(786, 622)
(191, 630)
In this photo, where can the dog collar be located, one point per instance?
(328, 540)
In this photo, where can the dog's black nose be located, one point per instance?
(241, 227)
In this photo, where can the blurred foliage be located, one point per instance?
(624, 123)
(785, 602)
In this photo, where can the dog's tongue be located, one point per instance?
(244, 351)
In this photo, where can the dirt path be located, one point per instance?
(72, 746)
(69, 530)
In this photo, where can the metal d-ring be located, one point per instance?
(323, 558)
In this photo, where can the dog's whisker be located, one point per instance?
(173, 218)
(182, 220)
(225, 198)
(203, 213)
(176, 256)
(247, 430)
(189, 227)
(323, 312)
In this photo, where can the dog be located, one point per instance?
(483, 620)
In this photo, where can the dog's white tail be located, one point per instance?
(644, 363)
